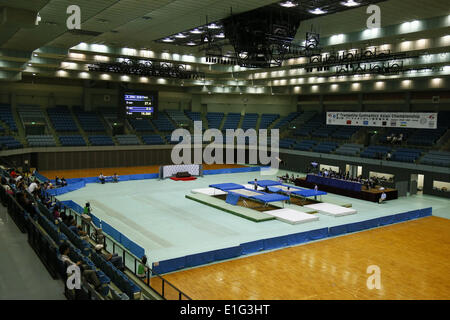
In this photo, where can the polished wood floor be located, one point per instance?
(413, 257)
(94, 172)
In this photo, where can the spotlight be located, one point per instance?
(350, 3)
(288, 4)
(317, 11)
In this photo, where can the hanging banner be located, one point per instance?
(419, 120)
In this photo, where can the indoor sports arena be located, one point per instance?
(225, 150)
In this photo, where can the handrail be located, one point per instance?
(125, 252)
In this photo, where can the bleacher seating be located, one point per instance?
(214, 119)
(61, 119)
(324, 131)
(9, 142)
(41, 141)
(375, 152)
(325, 147)
(30, 114)
(162, 122)
(89, 121)
(73, 141)
(101, 140)
(267, 120)
(345, 133)
(286, 120)
(127, 140)
(153, 139)
(178, 117)
(406, 155)
(305, 145)
(232, 121)
(309, 127)
(141, 125)
(249, 121)
(436, 158)
(426, 137)
(194, 116)
(7, 117)
(286, 143)
(349, 149)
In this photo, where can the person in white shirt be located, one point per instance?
(32, 187)
(101, 177)
(382, 198)
(18, 178)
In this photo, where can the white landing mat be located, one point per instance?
(292, 216)
(331, 209)
(209, 191)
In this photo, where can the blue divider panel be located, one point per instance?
(232, 198)
(233, 170)
(317, 234)
(169, 265)
(298, 238)
(96, 221)
(227, 253)
(387, 220)
(111, 231)
(252, 246)
(276, 242)
(198, 259)
(337, 230)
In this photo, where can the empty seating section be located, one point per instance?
(303, 118)
(267, 120)
(127, 140)
(232, 121)
(325, 147)
(100, 140)
(305, 145)
(194, 116)
(178, 117)
(349, 149)
(324, 131)
(426, 137)
(30, 114)
(141, 125)
(214, 119)
(286, 120)
(74, 141)
(153, 139)
(286, 143)
(436, 158)
(345, 133)
(89, 121)
(249, 121)
(7, 117)
(406, 155)
(61, 119)
(309, 127)
(8, 142)
(162, 122)
(41, 141)
(375, 152)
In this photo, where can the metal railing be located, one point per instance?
(152, 280)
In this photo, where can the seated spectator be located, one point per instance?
(115, 177)
(102, 178)
(6, 186)
(58, 182)
(33, 187)
(90, 275)
(63, 182)
(113, 258)
(77, 229)
(56, 213)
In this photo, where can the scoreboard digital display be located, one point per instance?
(140, 104)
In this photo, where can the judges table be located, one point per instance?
(336, 183)
(345, 188)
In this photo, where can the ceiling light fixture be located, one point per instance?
(317, 11)
(196, 31)
(213, 26)
(168, 40)
(191, 43)
(288, 4)
(181, 36)
(350, 3)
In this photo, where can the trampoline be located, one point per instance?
(276, 187)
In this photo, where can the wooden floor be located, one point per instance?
(414, 259)
(94, 172)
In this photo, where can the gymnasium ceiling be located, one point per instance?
(137, 23)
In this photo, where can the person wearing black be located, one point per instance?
(256, 184)
(63, 182)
